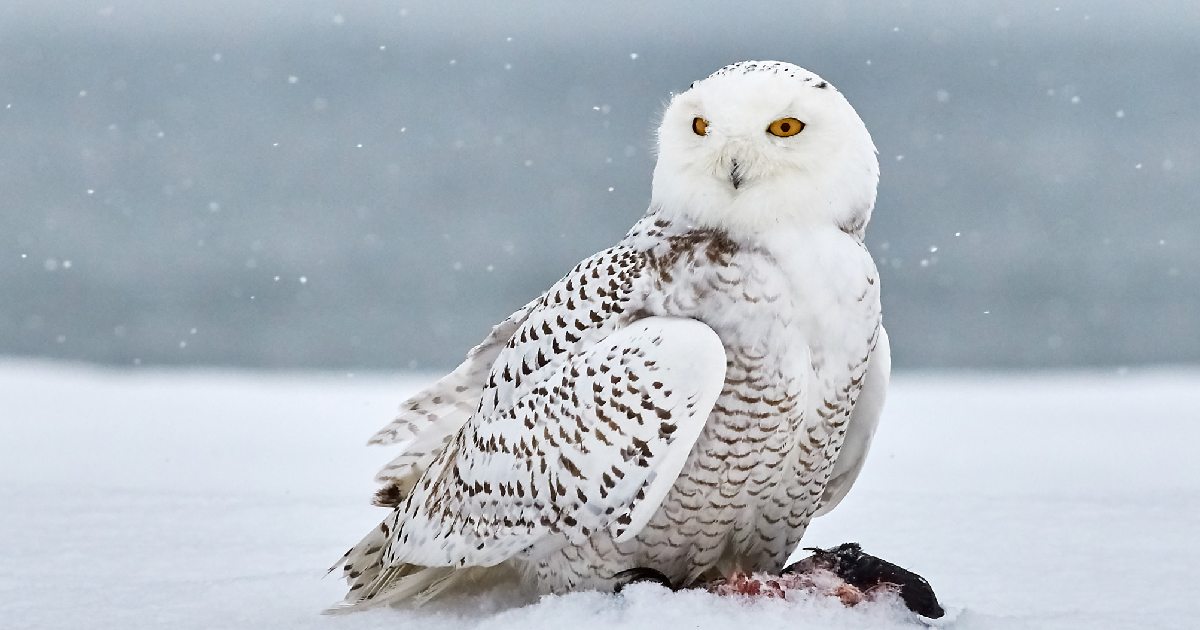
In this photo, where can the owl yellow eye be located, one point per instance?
(785, 127)
(700, 126)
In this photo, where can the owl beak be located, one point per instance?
(735, 175)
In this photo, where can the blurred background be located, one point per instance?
(371, 185)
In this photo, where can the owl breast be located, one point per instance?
(798, 319)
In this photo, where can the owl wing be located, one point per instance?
(861, 429)
(597, 445)
(430, 418)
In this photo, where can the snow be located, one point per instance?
(142, 499)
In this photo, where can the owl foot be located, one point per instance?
(640, 574)
(868, 574)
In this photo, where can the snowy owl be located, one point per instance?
(685, 401)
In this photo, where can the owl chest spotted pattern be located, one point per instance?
(757, 472)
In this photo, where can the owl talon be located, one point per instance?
(640, 574)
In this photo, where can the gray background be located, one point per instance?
(372, 184)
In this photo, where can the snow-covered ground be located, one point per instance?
(195, 500)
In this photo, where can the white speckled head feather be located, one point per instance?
(826, 173)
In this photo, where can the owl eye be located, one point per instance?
(700, 126)
(785, 127)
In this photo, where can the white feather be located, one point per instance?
(679, 370)
(863, 423)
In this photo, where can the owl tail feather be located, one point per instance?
(406, 583)
(372, 584)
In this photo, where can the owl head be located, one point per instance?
(761, 144)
